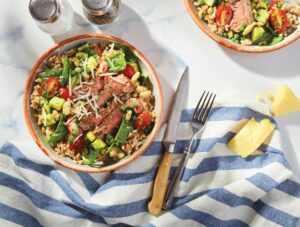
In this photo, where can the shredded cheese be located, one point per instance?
(95, 102)
(70, 120)
(118, 99)
(112, 46)
(81, 97)
(77, 87)
(71, 102)
(99, 163)
(93, 107)
(100, 69)
(84, 65)
(80, 117)
(70, 85)
(88, 83)
(93, 73)
(77, 138)
(107, 74)
(84, 110)
(118, 80)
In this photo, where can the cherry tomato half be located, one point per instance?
(143, 120)
(42, 89)
(65, 94)
(77, 145)
(224, 15)
(98, 50)
(52, 85)
(129, 71)
(279, 20)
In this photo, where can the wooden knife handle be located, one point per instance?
(160, 184)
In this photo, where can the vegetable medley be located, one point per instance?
(94, 104)
(250, 22)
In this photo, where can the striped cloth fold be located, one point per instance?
(218, 188)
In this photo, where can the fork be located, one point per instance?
(199, 119)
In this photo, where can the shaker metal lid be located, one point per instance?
(97, 6)
(43, 10)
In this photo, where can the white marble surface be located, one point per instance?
(164, 31)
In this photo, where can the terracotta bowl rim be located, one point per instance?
(33, 132)
(242, 48)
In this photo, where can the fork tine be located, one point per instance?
(209, 109)
(204, 107)
(200, 108)
(197, 108)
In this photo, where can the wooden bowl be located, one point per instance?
(238, 47)
(35, 131)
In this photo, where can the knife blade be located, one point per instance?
(169, 140)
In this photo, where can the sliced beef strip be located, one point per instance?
(109, 124)
(98, 84)
(118, 85)
(91, 121)
(242, 13)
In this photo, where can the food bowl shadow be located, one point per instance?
(79, 26)
(277, 64)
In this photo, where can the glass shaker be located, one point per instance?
(101, 12)
(52, 16)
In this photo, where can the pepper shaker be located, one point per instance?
(52, 16)
(101, 12)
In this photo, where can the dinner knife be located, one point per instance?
(162, 175)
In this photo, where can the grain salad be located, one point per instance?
(249, 22)
(94, 104)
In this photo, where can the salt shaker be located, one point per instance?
(52, 16)
(101, 12)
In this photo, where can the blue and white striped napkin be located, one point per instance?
(218, 188)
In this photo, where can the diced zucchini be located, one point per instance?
(263, 4)
(83, 47)
(98, 144)
(261, 36)
(91, 136)
(276, 39)
(210, 2)
(257, 34)
(46, 107)
(56, 103)
(81, 56)
(50, 120)
(92, 63)
(262, 16)
(43, 100)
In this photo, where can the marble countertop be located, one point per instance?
(164, 31)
